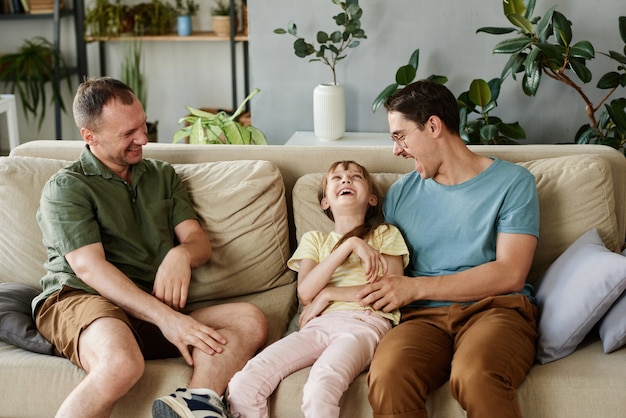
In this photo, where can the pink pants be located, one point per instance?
(339, 345)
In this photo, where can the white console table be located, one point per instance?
(7, 105)
(350, 139)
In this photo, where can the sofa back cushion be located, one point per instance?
(575, 194)
(241, 205)
(22, 253)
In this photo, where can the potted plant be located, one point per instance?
(152, 18)
(184, 13)
(480, 99)
(105, 19)
(545, 46)
(219, 128)
(329, 99)
(29, 70)
(220, 18)
(133, 76)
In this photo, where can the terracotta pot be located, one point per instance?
(221, 25)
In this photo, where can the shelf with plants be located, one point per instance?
(125, 28)
(50, 49)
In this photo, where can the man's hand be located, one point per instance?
(171, 284)
(185, 332)
(388, 293)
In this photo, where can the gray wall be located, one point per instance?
(444, 31)
(198, 73)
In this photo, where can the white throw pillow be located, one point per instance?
(613, 325)
(575, 292)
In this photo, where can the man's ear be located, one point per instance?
(88, 136)
(435, 126)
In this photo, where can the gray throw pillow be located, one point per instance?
(16, 322)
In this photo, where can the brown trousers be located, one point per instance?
(485, 349)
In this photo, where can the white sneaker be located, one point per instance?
(184, 404)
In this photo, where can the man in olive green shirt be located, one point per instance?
(122, 238)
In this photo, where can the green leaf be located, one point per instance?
(280, 31)
(581, 70)
(530, 8)
(622, 28)
(383, 95)
(439, 79)
(414, 60)
(562, 29)
(532, 61)
(292, 28)
(521, 22)
(511, 46)
(553, 52)
(513, 65)
(405, 75)
(609, 80)
(512, 130)
(488, 134)
(514, 7)
(494, 30)
(618, 57)
(531, 81)
(582, 49)
(544, 25)
(616, 111)
(479, 92)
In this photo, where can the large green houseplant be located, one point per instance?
(132, 73)
(480, 99)
(332, 47)
(29, 70)
(203, 127)
(544, 46)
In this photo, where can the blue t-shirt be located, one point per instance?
(449, 229)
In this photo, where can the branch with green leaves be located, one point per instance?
(332, 47)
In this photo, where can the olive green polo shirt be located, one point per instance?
(86, 203)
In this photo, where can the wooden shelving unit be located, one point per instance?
(77, 14)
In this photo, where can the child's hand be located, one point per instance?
(375, 265)
(313, 309)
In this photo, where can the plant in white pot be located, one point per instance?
(329, 117)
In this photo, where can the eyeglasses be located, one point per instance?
(401, 140)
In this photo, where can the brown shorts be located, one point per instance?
(64, 315)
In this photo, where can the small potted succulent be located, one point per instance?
(184, 11)
(220, 18)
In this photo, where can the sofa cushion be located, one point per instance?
(575, 195)
(21, 181)
(241, 205)
(16, 321)
(576, 291)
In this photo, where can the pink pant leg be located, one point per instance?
(251, 386)
(353, 341)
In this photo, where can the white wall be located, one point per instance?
(198, 73)
(444, 31)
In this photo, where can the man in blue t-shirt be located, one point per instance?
(471, 223)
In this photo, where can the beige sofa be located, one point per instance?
(247, 207)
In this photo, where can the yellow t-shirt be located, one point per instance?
(316, 246)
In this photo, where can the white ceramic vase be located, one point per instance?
(329, 112)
